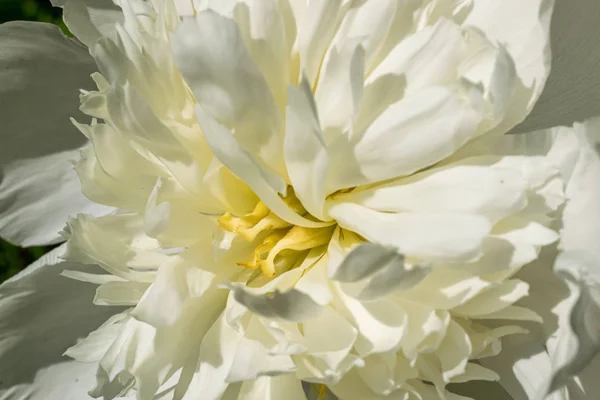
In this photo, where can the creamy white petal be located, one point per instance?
(470, 186)
(430, 57)
(572, 151)
(328, 357)
(39, 322)
(578, 344)
(430, 236)
(525, 31)
(37, 107)
(187, 276)
(217, 352)
(572, 92)
(414, 133)
(116, 243)
(38, 188)
(89, 20)
(316, 30)
(369, 22)
(372, 271)
(37, 197)
(262, 26)
(273, 388)
(146, 356)
(290, 305)
(340, 89)
(305, 151)
(381, 324)
(265, 184)
(214, 60)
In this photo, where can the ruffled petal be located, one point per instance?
(572, 92)
(38, 195)
(41, 314)
(411, 134)
(214, 60)
(568, 300)
(524, 29)
(89, 20)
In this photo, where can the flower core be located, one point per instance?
(279, 244)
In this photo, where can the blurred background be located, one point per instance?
(13, 258)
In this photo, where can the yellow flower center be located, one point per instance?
(274, 237)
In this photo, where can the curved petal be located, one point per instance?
(42, 314)
(89, 20)
(211, 54)
(436, 237)
(305, 151)
(416, 132)
(37, 196)
(524, 29)
(273, 388)
(572, 92)
(569, 301)
(41, 72)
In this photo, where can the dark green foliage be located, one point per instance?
(31, 10)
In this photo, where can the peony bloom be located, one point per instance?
(289, 199)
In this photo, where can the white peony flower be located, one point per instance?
(302, 200)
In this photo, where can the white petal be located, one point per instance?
(330, 356)
(578, 344)
(575, 152)
(264, 183)
(381, 324)
(262, 26)
(414, 133)
(116, 243)
(340, 88)
(370, 22)
(352, 386)
(151, 355)
(254, 358)
(290, 305)
(494, 68)
(215, 62)
(187, 276)
(433, 237)
(524, 30)
(216, 356)
(92, 348)
(39, 322)
(572, 92)
(454, 351)
(380, 269)
(36, 107)
(37, 196)
(273, 388)
(305, 152)
(89, 20)
(315, 32)
(430, 57)
(493, 299)
(469, 186)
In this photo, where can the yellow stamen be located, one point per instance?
(279, 235)
(298, 238)
(320, 389)
(267, 244)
